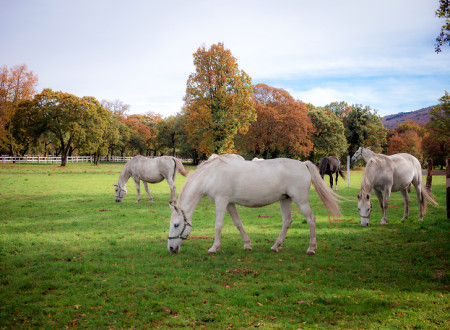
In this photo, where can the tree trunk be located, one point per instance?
(429, 175)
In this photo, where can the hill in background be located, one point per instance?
(420, 117)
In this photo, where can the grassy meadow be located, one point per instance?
(70, 256)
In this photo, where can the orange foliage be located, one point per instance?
(283, 126)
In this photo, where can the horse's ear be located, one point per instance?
(173, 207)
(115, 184)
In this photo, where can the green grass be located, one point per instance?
(70, 256)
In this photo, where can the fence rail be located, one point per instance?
(57, 159)
(72, 159)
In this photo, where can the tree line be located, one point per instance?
(223, 112)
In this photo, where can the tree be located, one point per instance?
(170, 134)
(436, 144)
(443, 12)
(218, 101)
(407, 141)
(329, 136)
(340, 109)
(363, 127)
(101, 128)
(440, 116)
(282, 128)
(72, 121)
(16, 84)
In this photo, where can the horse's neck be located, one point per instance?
(124, 176)
(189, 197)
(368, 154)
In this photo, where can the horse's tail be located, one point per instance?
(341, 173)
(425, 196)
(326, 195)
(179, 166)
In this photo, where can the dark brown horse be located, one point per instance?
(330, 165)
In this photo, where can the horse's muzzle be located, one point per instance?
(175, 249)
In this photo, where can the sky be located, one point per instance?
(375, 53)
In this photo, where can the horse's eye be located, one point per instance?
(176, 225)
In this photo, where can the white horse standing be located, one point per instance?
(227, 182)
(151, 170)
(386, 174)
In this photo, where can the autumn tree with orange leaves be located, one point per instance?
(16, 84)
(282, 128)
(218, 101)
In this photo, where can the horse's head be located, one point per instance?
(358, 154)
(179, 229)
(120, 192)
(364, 208)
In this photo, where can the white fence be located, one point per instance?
(57, 159)
(71, 159)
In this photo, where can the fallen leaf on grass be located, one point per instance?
(263, 216)
(241, 271)
(167, 310)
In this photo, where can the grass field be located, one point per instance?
(70, 256)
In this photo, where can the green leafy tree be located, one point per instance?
(440, 116)
(329, 137)
(363, 127)
(218, 101)
(71, 121)
(443, 12)
(436, 143)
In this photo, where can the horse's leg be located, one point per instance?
(221, 206)
(138, 189)
(305, 208)
(148, 191)
(386, 195)
(231, 208)
(405, 196)
(418, 187)
(331, 180)
(173, 190)
(285, 206)
(337, 175)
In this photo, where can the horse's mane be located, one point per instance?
(323, 165)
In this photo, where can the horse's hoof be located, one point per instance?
(212, 251)
(274, 249)
(310, 253)
(248, 248)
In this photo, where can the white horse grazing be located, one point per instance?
(151, 170)
(227, 182)
(365, 153)
(386, 174)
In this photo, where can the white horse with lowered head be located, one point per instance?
(149, 170)
(386, 174)
(227, 182)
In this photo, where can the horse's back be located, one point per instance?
(149, 169)
(403, 169)
(256, 183)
